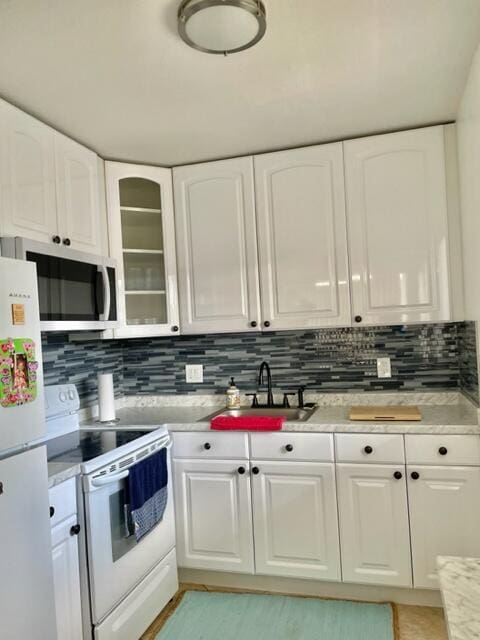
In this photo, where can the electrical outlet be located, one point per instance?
(384, 369)
(194, 372)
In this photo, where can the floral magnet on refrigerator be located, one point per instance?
(18, 372)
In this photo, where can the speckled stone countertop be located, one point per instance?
(59, 472)
(153, 417)
(191, 413)
(460, 585)
(457, 419)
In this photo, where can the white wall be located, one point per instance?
(468, 131)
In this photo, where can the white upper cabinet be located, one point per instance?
(216, 247)
(49, 185)
(142, 240)
(302, 238)
(398, 227)
(28, 203)
(79, 221)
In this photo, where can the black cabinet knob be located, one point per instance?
(414, 475)
(67, 242)
(368, 449)
(358, 318)
(207, 446)
(241, 470)
(52, 512)
(75, 530)
(289, 447)
(255, 471)
(443, 451)
(56, 239)
(175, 328)
(398, 475)
(266, 323)
(253, 324)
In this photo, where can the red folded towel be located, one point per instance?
(248, 423)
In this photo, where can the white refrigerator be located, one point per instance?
(27, 606)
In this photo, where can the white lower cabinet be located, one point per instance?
(374, 530)
(214, 515)
(66, 578)
(66, 571)
(295, 519)
(315, 515)
(444, 518)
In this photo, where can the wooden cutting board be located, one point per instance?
(392, 413)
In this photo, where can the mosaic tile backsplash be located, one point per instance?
(429, 357)
(467, 354)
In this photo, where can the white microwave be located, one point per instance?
(76, 290)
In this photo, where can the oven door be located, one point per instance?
(116, 562)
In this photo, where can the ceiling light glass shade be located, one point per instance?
(221, 26)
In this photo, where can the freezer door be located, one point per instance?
(27, 606)
(21, 370)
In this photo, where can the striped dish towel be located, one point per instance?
(148, 489)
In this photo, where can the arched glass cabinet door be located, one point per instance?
(140, 209)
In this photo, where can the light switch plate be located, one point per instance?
(384, 369)
(194, 372)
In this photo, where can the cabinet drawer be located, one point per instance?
(292, 446)
(207, 444)
(366, 447)
(442, 450)
(63, 501)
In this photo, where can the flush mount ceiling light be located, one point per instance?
(221, 26)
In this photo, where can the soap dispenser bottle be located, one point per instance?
(233, 395)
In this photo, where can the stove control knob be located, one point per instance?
(63, 396)
(71, 394)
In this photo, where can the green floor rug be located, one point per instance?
(243, 616)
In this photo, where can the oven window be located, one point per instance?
(121, 525)
(67, 289)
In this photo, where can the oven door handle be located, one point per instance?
(102, 481)
(106, 294)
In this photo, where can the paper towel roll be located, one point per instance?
(106, 397)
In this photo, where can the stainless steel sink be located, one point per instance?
(292, 415)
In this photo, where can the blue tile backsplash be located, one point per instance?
(467, 348)
(433, 357)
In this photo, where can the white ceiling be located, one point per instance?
(115, 75)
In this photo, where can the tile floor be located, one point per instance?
(414, 623)
(420, 623)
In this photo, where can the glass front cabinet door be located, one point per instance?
(142, 240)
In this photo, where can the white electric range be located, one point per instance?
(129, 582)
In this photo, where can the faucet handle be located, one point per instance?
(254, 400)
(301, 402)
(286, 403)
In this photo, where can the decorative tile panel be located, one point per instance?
(423, 357)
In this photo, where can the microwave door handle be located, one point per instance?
(106, 294)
